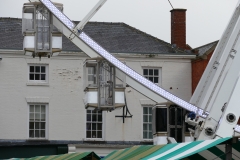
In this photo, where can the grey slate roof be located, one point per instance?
(115, 37)
(207, 48)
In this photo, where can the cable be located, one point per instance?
(170, 4)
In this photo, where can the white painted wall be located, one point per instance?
(66, 112)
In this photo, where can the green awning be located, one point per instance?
(71, 156)
(197, 150)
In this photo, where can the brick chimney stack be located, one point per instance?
(178, 27)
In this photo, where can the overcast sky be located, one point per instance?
(206, 19)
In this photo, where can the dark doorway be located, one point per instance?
(176, 122)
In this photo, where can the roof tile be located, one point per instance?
(114, 37)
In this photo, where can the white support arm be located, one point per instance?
(222, 81)
(218, 65)
(231, 113)
(81, 25)
(91, 48)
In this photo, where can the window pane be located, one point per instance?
(145, 127)
(150, 136)
(145, 134)
(31, 125)
(43, 77)
(88, 126)
(99, 134)
(31, 68)
(31, 76)
(155, 79)
(31, 108)
(89, 135)
(94, 134)
(150, 118)
(37, 108)
(89, 117)
(42, 69)
(31, 117)
(90, 70)
(151, 79)
(89, 111)
(42, 133)
(94, 117)
(150, 72)
(90, 78)
(145, 71)
(145, 118)
(43, 117)
(37, 116)
(156, 72)
(150, 127)
(94, 126)
(42, 125)
(37, 76)
(99, 118)
(150, 110)
(37, 69)
(42, 108)
(36, 133)
(99, 126)
(31, 133)
(145, 110)
(37, 125)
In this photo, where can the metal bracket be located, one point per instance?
(125, 115)
(234, 51)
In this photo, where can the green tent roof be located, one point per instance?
(197, 150)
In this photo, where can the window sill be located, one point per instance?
(93, 139)
(37, 84)
(147, 140)
(37, 139)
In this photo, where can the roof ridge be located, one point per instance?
(100, 22)
(105, 22)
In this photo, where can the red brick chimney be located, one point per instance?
(178, 27)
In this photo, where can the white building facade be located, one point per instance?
(43, 99)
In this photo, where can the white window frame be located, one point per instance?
(91, 74)
(38, 82)
(103, 126)
(159, 74)
(148, 115)
(46, 122)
